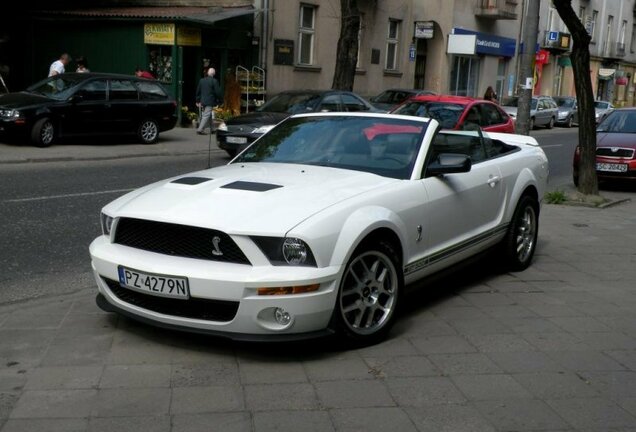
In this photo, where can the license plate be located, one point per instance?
(154, 284)
(236, 140)
(611, 167)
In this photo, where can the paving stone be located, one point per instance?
(602, 341)
(90, 324)
(442, 345)
(629, 405)
(196, 400)
(556, 385)
(89, 350)
(429, 328)
(353, 394)
(7, 401)
(54, 404)
(480, 326)
(614, 385)
(64, 377)
(213, 422)
(293, 421)
(548, 311)
(592, 413)
(131, 402)
(24, 348)
(531, 325)
(520, 415)
(499, 342)
(459, 313)
(12, 378)
(337, 369)
(128, 349)
(625, 358)
(585, 361)
(449, 418)
(490, 298)
(469, 363)
(135, 376)
(420, 391)
(378, 419)
(23, 320)
(255, 372)
(214, 374)
(157, 423)
(394, 347)
(404, 366)
(556, 341)
(519, 361)
(490, 387)
(508, 311)
(45, 425)
(271, 397)
(580, 324)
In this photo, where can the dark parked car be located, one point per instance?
(88, 104)
(391, 98)
(236, 134)
(615, 147)
(543, 111)
(568, 110)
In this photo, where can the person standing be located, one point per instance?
(82, 65)
(58, 66)
(490, 95)
(143, 73)
(207, 97)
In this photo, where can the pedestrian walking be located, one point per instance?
(58, 67)
(82, 65)
(207, 97)
(490, 95)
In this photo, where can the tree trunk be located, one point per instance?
(347, 53)
(588, 182)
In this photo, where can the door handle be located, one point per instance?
(493, 180)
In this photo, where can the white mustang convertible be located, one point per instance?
(318, 226)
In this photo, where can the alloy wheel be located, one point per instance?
(148, 131)
(525, 235)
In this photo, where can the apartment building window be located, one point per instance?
(306, 33)
(592, 27)
(632, 45)
(608, 35)
(552, 19)
(392, 45)
(622, 35)
(582, 15)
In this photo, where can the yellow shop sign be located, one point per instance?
(187, 36)
(159, 34)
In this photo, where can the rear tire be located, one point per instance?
(551, 123)
(43, 132)
(369, 294)
(531, 124)
(568, 124)
(521, 240)
(148, 131)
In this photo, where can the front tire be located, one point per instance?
(148, 131)
(43, 132)
(521, 240)
(531, 124)
(568, 124)
(551, 123)
(369, 293)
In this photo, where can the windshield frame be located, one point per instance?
(70, 84)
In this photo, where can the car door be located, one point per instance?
(124, 108)
(463, 210)
(542, 113)
(493, 120)
(86, 111)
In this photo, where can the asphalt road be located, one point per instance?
(50, 210)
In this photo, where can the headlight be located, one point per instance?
(107, 223)
(286, 251)
(263, 129)
(222, 127)
(9, 113)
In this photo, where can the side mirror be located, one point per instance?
(449, 163)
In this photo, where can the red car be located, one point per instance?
(615, 147)
(458, 112)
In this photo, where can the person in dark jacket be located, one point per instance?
(208, 96)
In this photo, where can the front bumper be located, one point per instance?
(225, 283)
(223, 139)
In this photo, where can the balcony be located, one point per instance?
(496, 9)
(557, 41)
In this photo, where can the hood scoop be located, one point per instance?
(191, 180)
(251, 186)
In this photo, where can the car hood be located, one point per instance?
(258, 119)
(23, 100)
(297, 192)
(613, 139)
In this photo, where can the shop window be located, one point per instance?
(392, 45)
(160, 62)
(306, 33)
(464, 76)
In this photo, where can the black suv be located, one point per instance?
(88, 104)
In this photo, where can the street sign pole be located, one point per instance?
(526, 82)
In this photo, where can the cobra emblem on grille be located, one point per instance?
(215, 242)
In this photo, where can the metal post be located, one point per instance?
(526, 84)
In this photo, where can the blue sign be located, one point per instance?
(412, 53)
(490, 44)
(553, 36)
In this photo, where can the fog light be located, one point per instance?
(282, 316)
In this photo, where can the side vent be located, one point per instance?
(251, 186)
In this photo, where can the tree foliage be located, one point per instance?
(580, 56)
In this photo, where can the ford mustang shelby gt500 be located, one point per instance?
(317, 227)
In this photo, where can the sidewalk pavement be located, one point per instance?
(550, 348)
(178, 141)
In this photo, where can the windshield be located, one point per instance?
(58, 87)
(383, 146)
(565, 103)
(447, 114)
(601, 105)
(619, 122)
(292, 103)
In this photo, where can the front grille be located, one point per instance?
(619, 153)
(178, 240)
(196, 308)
